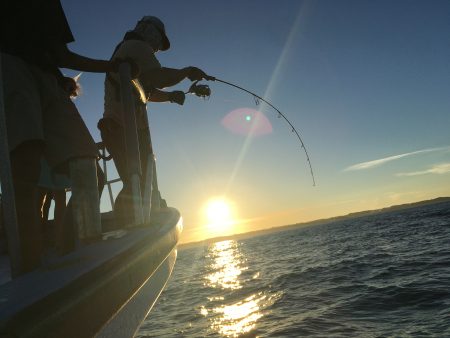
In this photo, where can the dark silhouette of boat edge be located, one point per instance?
(105, 289)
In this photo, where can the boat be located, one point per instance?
(104, 288)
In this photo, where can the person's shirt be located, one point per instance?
(142, 54)
(32, 30)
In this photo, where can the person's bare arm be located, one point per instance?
(157, 95)
(68, 59)
(168, 77)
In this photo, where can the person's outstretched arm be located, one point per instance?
(68, 59)
(176, 96)
(168, 77)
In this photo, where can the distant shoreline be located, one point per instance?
(316, 222)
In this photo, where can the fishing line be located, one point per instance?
(204, 91)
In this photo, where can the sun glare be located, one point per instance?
(218, 214)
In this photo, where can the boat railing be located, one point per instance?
(108, 183)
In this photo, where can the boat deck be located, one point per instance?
(76, 295)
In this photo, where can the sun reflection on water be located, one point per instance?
(238, 318)
(230, 313)
(226, 266)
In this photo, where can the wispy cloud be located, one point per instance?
(440, 169)
(381, 161)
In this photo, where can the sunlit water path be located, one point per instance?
(376, 276)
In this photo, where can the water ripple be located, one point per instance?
(384, 275)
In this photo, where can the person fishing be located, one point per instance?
(139, 45)
(41, 120)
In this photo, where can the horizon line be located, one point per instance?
(307, 223)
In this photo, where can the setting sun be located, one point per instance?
(218, 214)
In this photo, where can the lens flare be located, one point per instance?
(247, 121)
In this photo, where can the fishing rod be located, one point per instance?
(204, 91)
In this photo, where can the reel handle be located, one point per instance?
(199, 90)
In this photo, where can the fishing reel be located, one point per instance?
(200, 90)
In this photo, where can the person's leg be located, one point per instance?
(60, 210)
(45, 197)
(113, 138)
(66, 234)
(23, 112)
(146, 150)
(25, 167)
(45, 201)
(123, 210)
(69, 144)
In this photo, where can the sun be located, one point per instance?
(218, 214)
(217, 210)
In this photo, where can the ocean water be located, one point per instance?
(385, 275)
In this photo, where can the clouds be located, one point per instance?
(381, 161)
(440, 169)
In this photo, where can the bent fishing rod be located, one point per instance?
(204, 91)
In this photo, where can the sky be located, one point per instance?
(365, 83)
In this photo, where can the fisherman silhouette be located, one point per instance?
(140, 45)
(41, 120)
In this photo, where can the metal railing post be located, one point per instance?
(131, 140)
(147, 200)
(9, 205)
(105, 171)
(156, 201)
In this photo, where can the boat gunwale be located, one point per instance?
(87, 298)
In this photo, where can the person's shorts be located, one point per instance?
(51, 180)
(113, 137)
(38, 109)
